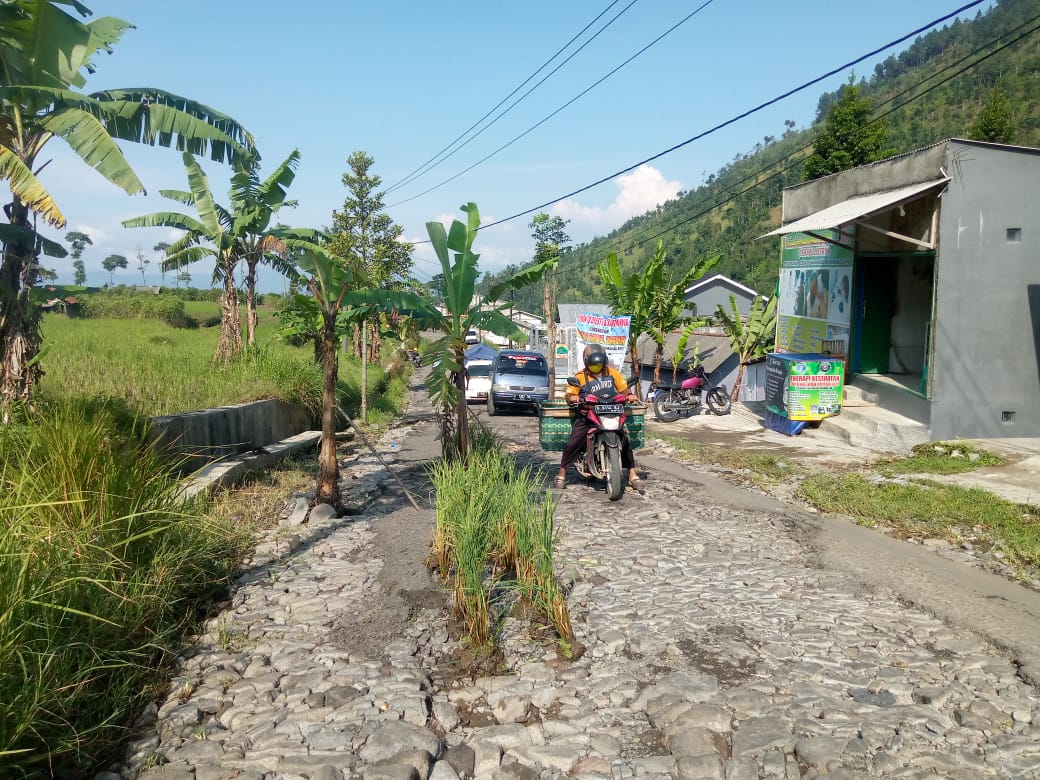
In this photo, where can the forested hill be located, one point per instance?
(933, 90)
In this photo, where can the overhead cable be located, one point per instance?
(743, 115)
(426, 166)
(581, 94)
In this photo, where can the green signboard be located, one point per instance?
(804, 387)
(815, 291)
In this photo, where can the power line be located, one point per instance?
(581, 94)
(743, 115)
(792, 158)
(420, 170)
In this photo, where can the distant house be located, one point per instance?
(707, 294)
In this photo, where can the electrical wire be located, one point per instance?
(574, 99)
(792, 159)
(422, 169)
(743, 115)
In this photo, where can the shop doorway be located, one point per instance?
(892, 316)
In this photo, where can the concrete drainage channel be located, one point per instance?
(228, 470)
(223, 444)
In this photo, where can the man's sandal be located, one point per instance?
(636, 484)
(560, 483)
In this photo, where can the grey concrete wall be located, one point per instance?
(209, 434)
(708, 301)
(987, 317)
(904, 170)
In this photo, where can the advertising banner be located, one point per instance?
(804, 387)
(605, 329)
(815, 291)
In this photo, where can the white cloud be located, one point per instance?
(642, 190)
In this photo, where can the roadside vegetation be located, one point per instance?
(896, 495)
(494, 542)
(102, 568)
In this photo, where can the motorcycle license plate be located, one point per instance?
(523, 397)
(610, 408)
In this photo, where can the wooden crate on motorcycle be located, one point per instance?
(554, 425)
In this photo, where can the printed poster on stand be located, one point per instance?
(605, 329)
(815, 292)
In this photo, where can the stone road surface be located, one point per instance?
(721, 643)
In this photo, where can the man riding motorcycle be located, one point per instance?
(598, 378)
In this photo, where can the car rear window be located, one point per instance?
(482, 369)
(534, 365)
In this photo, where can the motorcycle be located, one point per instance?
(415, 357)
(601, 457)
(672, 402)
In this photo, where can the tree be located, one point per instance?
(328, 278)
(229, 235)
(549, 236)
(183, 276)
(142, 263)
(446, 381)
(111, 263)
(45, 53)
(77, 243)
(364, 234)
(848, 137)
(753, 339)
(254, 204)
(668, 304)
(995, 122)
(161, 249)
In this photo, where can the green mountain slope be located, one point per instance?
(933, 90)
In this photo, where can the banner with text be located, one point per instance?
(605, 329)
(815, 291)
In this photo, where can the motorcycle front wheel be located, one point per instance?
(614, 487)
(667, 406)
(719, 401)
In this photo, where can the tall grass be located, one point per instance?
(101, 567)
(495, 525)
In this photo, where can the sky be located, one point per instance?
(403, 80)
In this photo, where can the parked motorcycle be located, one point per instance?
(601, 457)
(672, 402)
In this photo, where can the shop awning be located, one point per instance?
(856, 208)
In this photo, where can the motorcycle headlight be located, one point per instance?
(610, 423)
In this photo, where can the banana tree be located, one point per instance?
(455, 287)
(240, 233)
(668, 304)
(651, 297)
(329, 280)
(45, 52)
(753, 339)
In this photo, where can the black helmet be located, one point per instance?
(596, 361)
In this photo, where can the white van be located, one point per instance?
(478, 379)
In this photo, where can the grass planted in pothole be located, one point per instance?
(495, 527)
(941, 458)
(923, 509)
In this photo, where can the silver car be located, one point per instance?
(520, 379)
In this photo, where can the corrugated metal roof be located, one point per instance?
(856, 208)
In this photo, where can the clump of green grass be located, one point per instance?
(925, 509)
(102, 566)
(758, 466)
(495, 524)
(941, 458)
